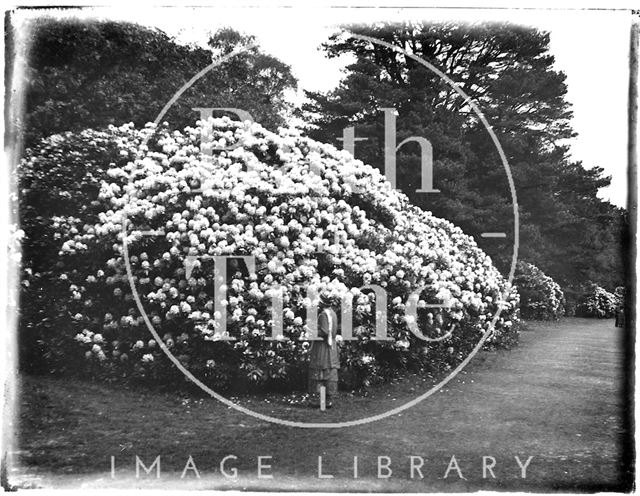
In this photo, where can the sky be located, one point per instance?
(590, 47)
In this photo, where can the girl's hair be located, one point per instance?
(325, 302)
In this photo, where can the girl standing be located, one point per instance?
(324, 359)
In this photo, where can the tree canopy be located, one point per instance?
(507, 69)
(89, 74)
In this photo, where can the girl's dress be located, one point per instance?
(324, 359)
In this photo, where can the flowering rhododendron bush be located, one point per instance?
(597, 302)
(540, 296)
(315, 222)
(59, 182)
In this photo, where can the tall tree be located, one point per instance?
(509, 72)
(89, 74)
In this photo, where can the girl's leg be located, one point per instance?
(314, 392)
(332, 391)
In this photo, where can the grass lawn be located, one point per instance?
(557, 398)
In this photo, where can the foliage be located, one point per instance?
(540, 296)
(83, 74)
(596, 302)
(90, 74)
(59, 183)
(240, 202)
(621, 306)
(565, 229)
(620, 294)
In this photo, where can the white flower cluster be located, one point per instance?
(597, 302)
(311, 216)
(541, 298)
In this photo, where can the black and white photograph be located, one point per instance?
(343, 248)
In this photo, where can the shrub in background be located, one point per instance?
(620, 294)
(621, 306)
(540, 296)
(596, 302)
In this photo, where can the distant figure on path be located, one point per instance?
(324, 359)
